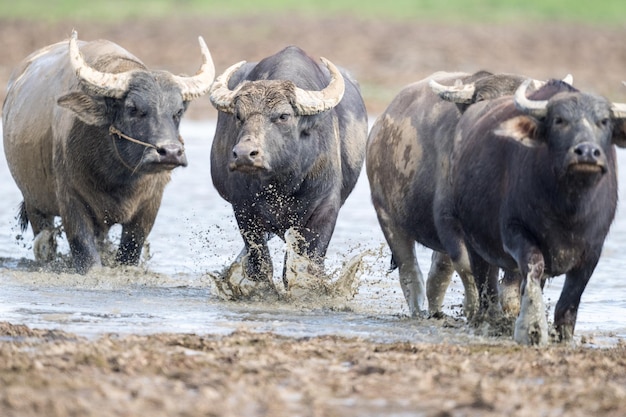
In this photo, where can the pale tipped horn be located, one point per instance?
(618, 110)
(101, 83)
(458, 93)
(200, 83)
(536, 108)
(569, 79)
(309, 102)
(220, 95)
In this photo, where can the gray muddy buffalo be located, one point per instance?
(407, 162)
(288, 149)
(92, 135)
(533, 189)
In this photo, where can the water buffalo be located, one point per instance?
(288, 149)
(533, 189)
(91, 135)
(407, 161)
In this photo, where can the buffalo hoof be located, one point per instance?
(45, 245)
(304, 280)
(531, 326)
(234, 285)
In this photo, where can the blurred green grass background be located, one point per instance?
(604, 12)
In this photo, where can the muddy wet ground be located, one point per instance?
(52, 373)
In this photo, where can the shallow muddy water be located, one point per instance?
(196, 235)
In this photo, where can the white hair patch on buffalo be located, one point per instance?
(521, 129)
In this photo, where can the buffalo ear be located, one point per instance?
(619, 133)
(522, 129)
(90, 110)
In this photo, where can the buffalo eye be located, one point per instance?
(558, 121)
(134, 111)
(238, 116)
(603, 122)
(282, 118)
(178, 116)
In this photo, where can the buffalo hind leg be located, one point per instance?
(439, 277)
(509, 293)
(44, 232)
(404, 257)
(487, 285)
(307, 244)
(452, 238)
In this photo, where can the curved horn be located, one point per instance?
(310, 102)
(200, 83)
(461, 94)
(536, 108)
(102, 83)
(221, 96)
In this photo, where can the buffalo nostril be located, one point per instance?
(170, 151)
(588, 150)
(246, 151)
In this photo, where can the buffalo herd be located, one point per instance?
(509, 180)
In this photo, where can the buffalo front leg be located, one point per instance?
(131, 244)
(135, 232)
(304, 273)
(81, 238)
(567, 307)
(531, 325)
(251, 274)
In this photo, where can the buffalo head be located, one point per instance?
(141, 109)
(270, 115)
(578, 127)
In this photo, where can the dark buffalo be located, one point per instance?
(407, 162)
(287, 152)
(91, 135)
(533, 189)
